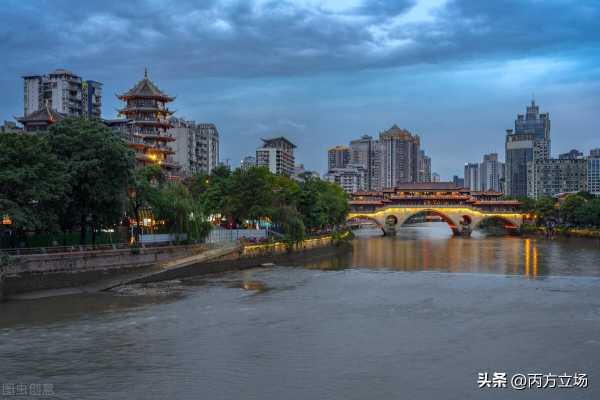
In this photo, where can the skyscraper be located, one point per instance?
(399, 157)
(528, 143)
(489, 173)
(472, 180)
(338, 157)
(63, 92)
(424, 167)
(277, 155)
(248, 162)
(366, 152)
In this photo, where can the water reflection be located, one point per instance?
(431, 247)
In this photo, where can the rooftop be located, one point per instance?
(146, 88)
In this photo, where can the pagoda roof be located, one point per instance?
(146, 88)
(45, 114)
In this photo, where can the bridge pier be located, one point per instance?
(389, 231)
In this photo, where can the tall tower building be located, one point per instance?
(338, 157)
(146, 125)
(489, 172)
(366, 152)
(527, 144)
(472, 180)
(399, 157)
(64, 92)
(424, 167)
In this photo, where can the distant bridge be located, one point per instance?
(461, 209)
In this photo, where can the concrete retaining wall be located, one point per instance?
(53, 271)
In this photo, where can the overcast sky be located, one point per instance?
(322, 72)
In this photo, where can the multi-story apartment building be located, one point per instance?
(549, 177)
(366, 152)
(10, 127)
(593, 179)
(399, 157)
(528, 143)
(277, 155)
(64, 92)
(338, 157)
(472, 180)
(424, 167)
(352, 179)
(196, 146)
(247, 162)
(435, 177)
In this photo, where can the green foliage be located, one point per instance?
(545, 210)
(97, 166)
(322, 204)
(569, 209)
(32, 182)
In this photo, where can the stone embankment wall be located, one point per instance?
(60, 270)
(54, 271)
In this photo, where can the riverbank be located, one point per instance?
(35, 276)
(589, 233)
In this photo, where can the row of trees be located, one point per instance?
(80, 176)
(575, 210)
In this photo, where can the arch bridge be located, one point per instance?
(460, 208)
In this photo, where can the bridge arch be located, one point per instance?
(356, 218)
(431, 211)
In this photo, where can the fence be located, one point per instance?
(230, 235)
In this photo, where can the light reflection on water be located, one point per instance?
(431, 247)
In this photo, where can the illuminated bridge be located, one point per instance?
(460, 208)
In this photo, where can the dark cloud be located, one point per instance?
(264, 40)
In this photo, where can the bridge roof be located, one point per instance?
(366, 202)
(429, 187)
(499, 202)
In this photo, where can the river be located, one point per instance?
(416, 316)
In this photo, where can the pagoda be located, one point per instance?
(146, 125)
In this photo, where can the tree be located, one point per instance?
(545, 210)
(589, 214)
(98, 166)
(569, 209)
(32, 181)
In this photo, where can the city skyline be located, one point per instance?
(265, 84)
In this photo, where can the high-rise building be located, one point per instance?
(435, 177)
(366, 152)
(277, 155)
(593, 166)
(534, 122)
(489, 173)
(64, 92)
(247, 162)
(146, 125)
(424, 167)
(558, 175)
(338, 157)
(472, 180)
(196, 146)
(399, 157)
(352, 179)
(528, 143)
(573, 154)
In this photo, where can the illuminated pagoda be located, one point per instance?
(146, 124)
